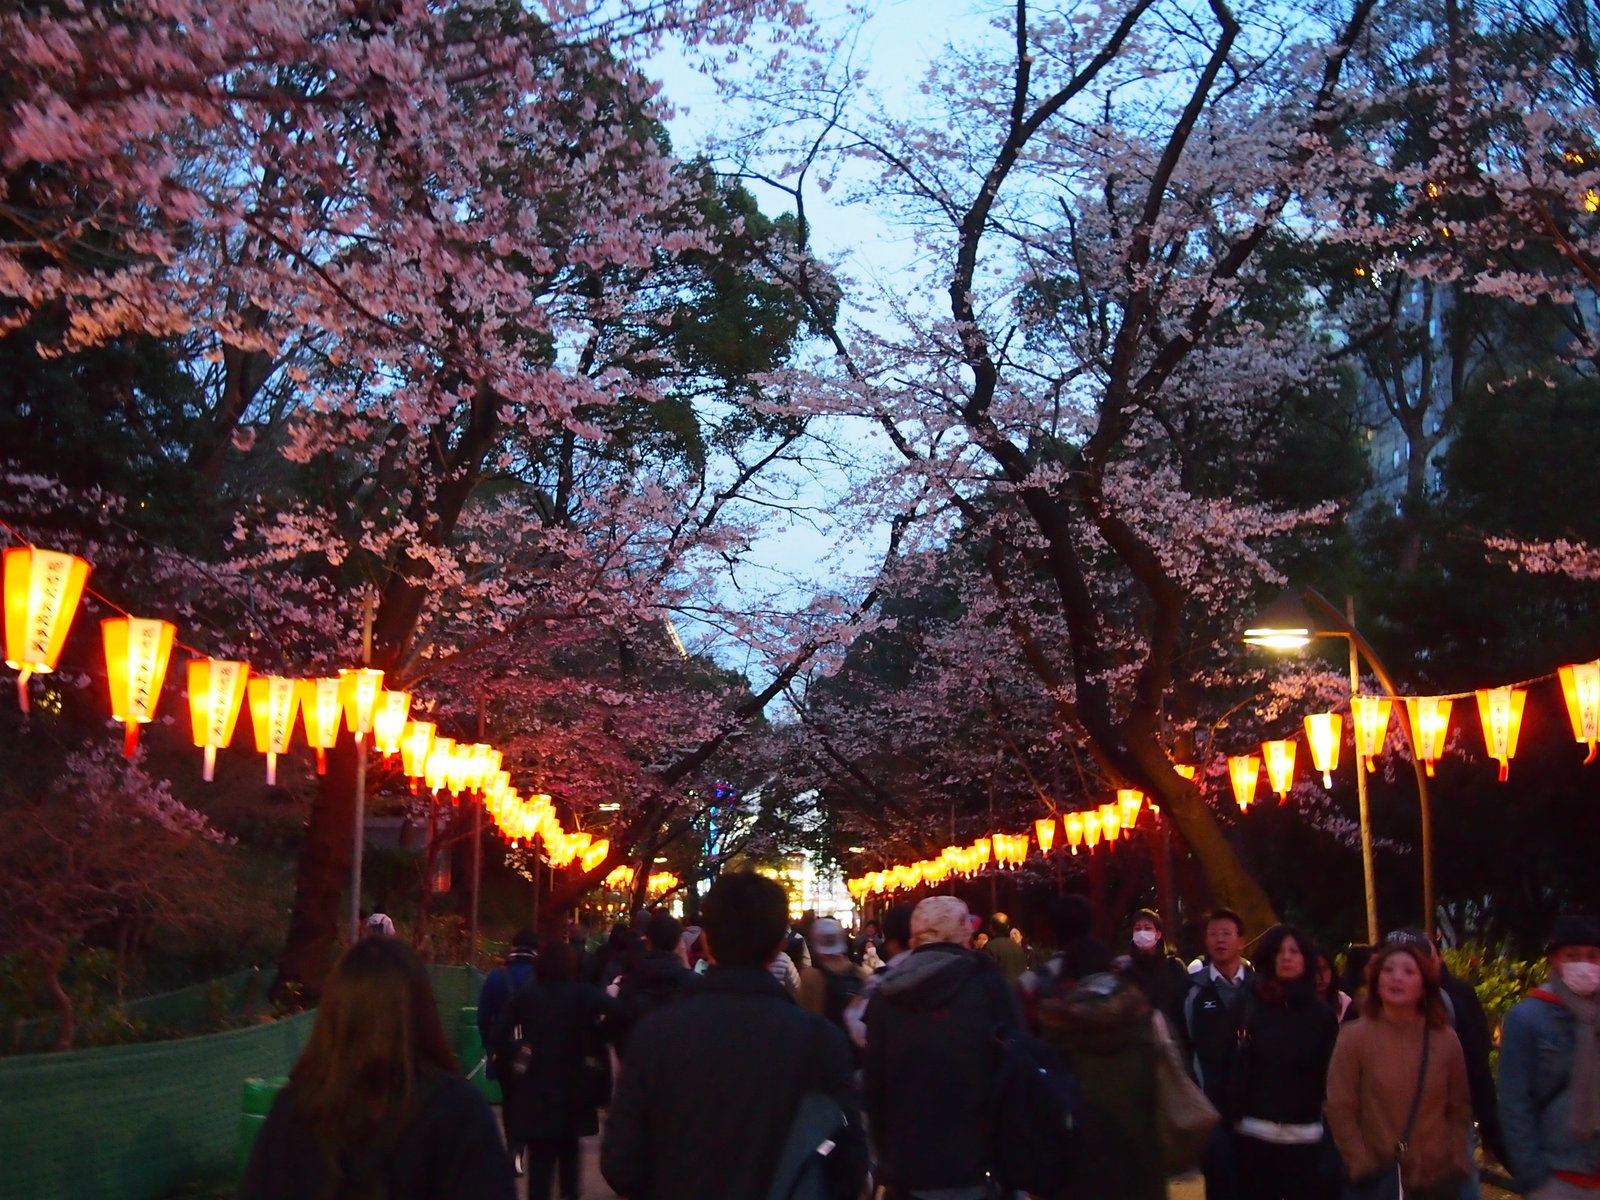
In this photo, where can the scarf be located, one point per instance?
(1583, 1120)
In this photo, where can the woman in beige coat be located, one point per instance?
(1373, 1084)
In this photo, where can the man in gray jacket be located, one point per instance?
(1550, 1072)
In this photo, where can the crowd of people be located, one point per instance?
(741, 1058)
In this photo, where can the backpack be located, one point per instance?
(1039, 1114)
(840, 987)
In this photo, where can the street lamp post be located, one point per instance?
(1286, 625)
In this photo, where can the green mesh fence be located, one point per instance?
(136, 1122)
(179, 1013)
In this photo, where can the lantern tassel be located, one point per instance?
(322, 761)
(1505, 770)
(272, 769)
(130, 739)
(210, 768)
(1327, 779)
(22, 688)
(1428, 763)
(1594, 748)
(413, 785)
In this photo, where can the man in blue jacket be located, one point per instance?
(1550, 1072)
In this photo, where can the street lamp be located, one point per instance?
(1288, 624)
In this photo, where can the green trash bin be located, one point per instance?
(253, 1109)
(469, 1049)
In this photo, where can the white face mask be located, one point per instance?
(1145, 938)
(1581, 978)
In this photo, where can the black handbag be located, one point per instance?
(1386, 1184)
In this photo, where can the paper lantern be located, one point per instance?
(595, 854)
(43, 588)
(389, 722)
(1580, 684)
(1130, 801)
(216, 693)
(319, 706)
(1430, 723)
(1500, 710)
(436, 770)
(982, 848)
(274, 703)
(1324, 735)
(1244, 772)
(1045, 830)
(1369, 717)
(1110, 821)
(1073, 824)
(416, 739)
(1091, 829)
(137, 651)
(358, 696)
(1279, 759)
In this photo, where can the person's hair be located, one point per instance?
(1432, 1002)
(1069, 918)
(896, 925)
(557, 962)
(1147, 914)
(1266, 954)
(377, 1028)
(1354, 976)
(621, 939)
(999, 927)
(662, 930)
(745, 918)
(1224, 914)
(524, 939)
(1331, 992)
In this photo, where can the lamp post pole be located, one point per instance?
(1359, 646)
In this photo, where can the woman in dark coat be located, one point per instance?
(555, 1102)
(1278, 1082)
(375, 1106)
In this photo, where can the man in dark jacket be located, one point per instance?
(659, 976)
(712, 1083)
(502, 982)
(1211, 1022)
(932, 1054)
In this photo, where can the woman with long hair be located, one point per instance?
(1286, 1037)
(553, 1101)
(1398, 1102)
(376, 1106)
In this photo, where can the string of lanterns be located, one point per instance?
(1500, 713)
(43, 590)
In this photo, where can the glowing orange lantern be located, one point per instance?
(137, 650)
(1045, 830)
(1244, 772)
(436, 770)
(1129, 802)
(1187, 770)
(1091, 829)
(319, 705)
(43, 588)
(1324, 734)
(1500, 710)
(1110, 821)
(416, 739)
(389, 722)
(216, 693)
(595, 854)
(1073, 824)
(981, 849)
(1580, 684)
(1430, 724)
(274, 702)
(1279, 758)
(1369, 716)
(358, 696)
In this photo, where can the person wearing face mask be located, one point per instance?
(1550, 1072)
(1160, 975)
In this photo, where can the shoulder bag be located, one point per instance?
(1185, 1118)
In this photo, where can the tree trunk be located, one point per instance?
(313, 943)
(68, 1027)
